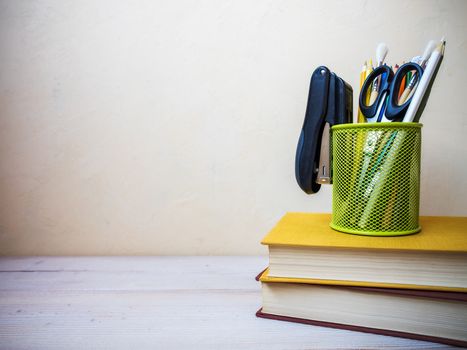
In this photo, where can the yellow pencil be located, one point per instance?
(360, 117)
(369, 69)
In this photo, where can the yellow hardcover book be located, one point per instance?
(264, 277)
(302, 247)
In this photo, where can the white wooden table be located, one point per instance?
(153, 303)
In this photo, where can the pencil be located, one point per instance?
(369, 69)
(407, 78)
(360, 117)
(428, 75)
(401, 88)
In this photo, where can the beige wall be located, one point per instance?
(170, 127)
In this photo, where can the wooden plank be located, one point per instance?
(135, 273)
(153, 303)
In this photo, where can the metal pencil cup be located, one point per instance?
(376, 178)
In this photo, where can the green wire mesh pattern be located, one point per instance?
(376, 178)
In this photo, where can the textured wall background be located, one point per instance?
(170, 127)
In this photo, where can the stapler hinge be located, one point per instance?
(324, 170)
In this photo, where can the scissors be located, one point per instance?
(386, 106)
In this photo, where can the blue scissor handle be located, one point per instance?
(386, 77)
(393, 110)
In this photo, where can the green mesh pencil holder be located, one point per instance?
(376, 178)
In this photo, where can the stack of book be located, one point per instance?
(409, 286)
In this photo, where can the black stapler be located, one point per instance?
(329, 103)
